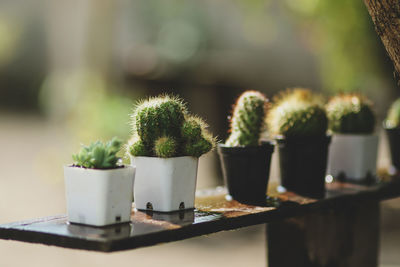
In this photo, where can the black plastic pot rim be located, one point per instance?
(265, 145)
(300, 140)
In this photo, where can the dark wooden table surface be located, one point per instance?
(213, 213)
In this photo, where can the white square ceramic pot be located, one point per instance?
(165, 184)
(99, 197)
(353, 156)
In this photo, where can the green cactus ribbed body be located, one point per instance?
(198, 147)
(165, 147)
(163, 128)
(297, 113)
(350, 114)
(192, 128)
(247, 120)
(137, 148)
(307, 121)
(159, 117)
(393, 117)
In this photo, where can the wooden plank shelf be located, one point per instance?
(213, 213)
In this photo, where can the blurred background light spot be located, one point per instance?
(63, 90)
(9, 36)
(305, 7)
(142, 60)
(178, 40)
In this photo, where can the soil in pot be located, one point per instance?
(303, 163)
(393, 135)
(246, 171)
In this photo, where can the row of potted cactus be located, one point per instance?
(167, 142)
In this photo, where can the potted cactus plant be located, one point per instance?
(298, 121)
(354, 147)
(392, 128)
(165, 147)
(245, 159)
(98, 189)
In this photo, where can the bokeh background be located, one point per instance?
(71, 71)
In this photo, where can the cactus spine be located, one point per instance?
(350, 114)
(162, 127)
(247, 122)
(297, 113)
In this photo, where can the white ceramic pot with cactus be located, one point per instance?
(354, 147)
(99, 191)
(165, 147)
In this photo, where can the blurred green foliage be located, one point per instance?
(91, 106)
(341, 35)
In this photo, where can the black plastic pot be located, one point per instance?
(393, 135)
(303, 163)
(246, 171)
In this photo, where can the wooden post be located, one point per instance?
(386, 17)
(335, 237)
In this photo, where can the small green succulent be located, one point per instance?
(247, 122)
(393, 116)
(98, 155)
(163, 127)
(350, 114)
(297, 113)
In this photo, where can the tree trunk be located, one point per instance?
(386, 17)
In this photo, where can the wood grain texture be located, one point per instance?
(386, 17)
(344, 237)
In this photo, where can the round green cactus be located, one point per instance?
(247, 122)
(165, 147)
(157, 117)
(393, 117)
(162, 127)
(297, 113)
(350, 114)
